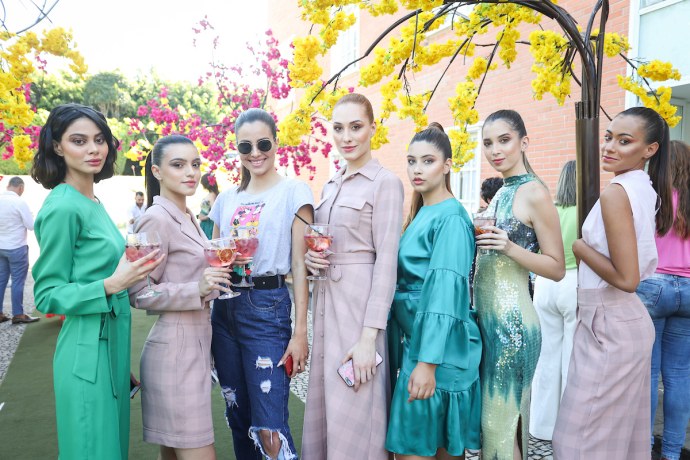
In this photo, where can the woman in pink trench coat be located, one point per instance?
(363, 205)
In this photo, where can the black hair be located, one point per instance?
(516, 123)
(139, 194)
(153, 185)
(205, 183)
(436, 136)
(566, 190)
(656, 130)
(250, 116)
(489, 188)
(49, 168)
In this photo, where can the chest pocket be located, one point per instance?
(348, 211)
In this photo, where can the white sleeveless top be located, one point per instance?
(643, 200)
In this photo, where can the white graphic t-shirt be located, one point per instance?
(271, 213)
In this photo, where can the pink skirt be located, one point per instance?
(605, 410)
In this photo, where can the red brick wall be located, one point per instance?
(551, 128)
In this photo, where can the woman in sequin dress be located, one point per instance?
(526, 238)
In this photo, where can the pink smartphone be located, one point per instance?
(347, 372)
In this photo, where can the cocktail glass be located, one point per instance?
(247, 243)
(221, 252)
(318, 238)
(139, 245)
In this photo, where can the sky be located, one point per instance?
(144, 35)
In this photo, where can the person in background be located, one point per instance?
(605, 409)
(666, 295)
(209, 184)
(556, 305)
(82, 273)
(434, 340)
(488, 189)
(526, 238)
(252, 333)
(176, 359)
(136, 211)
(15, 220)
(363, 205)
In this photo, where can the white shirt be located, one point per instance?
(643, 200)
(15, 220)
(135, 212)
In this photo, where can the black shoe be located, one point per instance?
(3, 318)
(19, 319)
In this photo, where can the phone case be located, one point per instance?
(288, 365)
(347, 372)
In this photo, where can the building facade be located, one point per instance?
(657, 29)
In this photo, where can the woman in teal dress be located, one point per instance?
(81, 273)
(526, 238)
(434, 340)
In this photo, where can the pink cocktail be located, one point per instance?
(136, 252)
(138, 245)
(247, 246)
(318, 243)
(220, 257)
(247, 243)
(318, 238)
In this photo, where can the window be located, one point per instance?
(466, 182)
(647, 18)
(346, 48)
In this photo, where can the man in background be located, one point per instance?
(15, 220)
(136, 211)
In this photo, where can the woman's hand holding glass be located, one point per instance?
(220, 255)
(127, 273)
(494, 238)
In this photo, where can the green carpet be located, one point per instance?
(27, 420)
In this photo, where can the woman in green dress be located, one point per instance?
(434, 341)
(81, 273)
(526, 238)
(209, 184)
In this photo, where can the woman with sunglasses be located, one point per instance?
(363, 205)
(252, 333)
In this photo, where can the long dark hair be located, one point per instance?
(436, 136)
(566, 190)
(49, 168)
(516, 123)
(250, 116)
(680, 172)
(656, 130)
(153, 185)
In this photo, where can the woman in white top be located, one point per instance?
(605, 409)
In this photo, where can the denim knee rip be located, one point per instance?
(283, 454)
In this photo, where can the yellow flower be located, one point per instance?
(658, 71)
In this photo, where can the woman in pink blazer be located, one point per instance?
(176, 359)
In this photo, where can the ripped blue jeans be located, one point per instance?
(250, 335)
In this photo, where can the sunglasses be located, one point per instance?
(246, 147)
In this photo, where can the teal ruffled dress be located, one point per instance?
(431, 322)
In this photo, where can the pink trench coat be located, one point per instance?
(365, 213)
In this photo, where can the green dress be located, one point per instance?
(80, 247)
(431, 322)
(206, 225)
(510, 331)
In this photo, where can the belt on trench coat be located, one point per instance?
(348, 258)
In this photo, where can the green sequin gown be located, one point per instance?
(431, 322)
(510, 331)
